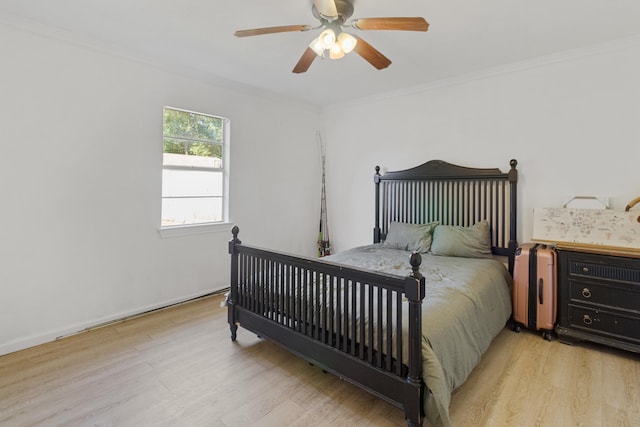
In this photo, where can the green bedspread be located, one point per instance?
(467, 303)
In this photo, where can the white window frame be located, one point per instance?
(204, 227)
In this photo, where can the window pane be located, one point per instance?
(192, 148)
(181, 161)
(185, 124)
(192, 183)
(175, 146)
(191, 211)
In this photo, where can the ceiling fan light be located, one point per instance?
(336, 52)
(316, 46)
(347, 42)
(327, 38)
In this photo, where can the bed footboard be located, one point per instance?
(347, 321)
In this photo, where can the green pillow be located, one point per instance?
(409, 237)
(469, 242)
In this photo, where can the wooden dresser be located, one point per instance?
(599, 296)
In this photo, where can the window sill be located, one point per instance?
(193, 229)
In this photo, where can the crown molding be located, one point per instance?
(48, 31)
(617, 45)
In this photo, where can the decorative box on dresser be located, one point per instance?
(599, 296)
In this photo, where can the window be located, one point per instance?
(194, 168)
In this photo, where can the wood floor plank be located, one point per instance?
(283, 414)
(178, 367)
(587, 380)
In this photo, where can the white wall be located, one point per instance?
(572, 121)
(80, 244)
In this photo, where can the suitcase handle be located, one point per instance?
(602, 204)
(540, 283)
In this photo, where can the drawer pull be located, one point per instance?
(587, 320)
(585, 269)
(586, 293)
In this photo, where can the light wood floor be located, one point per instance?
(178, 367)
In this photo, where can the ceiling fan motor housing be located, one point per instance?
(344, 8)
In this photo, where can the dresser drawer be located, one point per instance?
(599, 298)
(604, 322)
(605, 294)
(615, 269)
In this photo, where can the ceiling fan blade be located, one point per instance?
(406, 24)
(305, 61)
(371, 54)
(271, 30)
(326, 8)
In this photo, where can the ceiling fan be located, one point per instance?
(335, 43)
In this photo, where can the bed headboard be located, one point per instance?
(453, 195)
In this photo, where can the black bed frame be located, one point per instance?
(310, 306)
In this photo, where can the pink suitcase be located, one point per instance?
(535, 289)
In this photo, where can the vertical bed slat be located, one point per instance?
(362, 323)
(370, 324)
(345, 318)
(241, 297)
(300, 309)
(474, 195)
(339, 315)
(504, 241)
(393, 207)
(271, 287)
(309, 301)
(254, 287)
(334, 314)
(261, 285)
(455, 202)
(278, 279)
(324, 309)
(439, 200)
(282, 282)
(353, 287)
(289, 301)
(407, 201)
(378, 322)
(399, 327)
(385, 209)
(317, 306)
(389, 327)
(488, 206)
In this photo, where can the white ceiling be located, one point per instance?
(197, 36)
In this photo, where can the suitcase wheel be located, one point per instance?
(517, 327)
(546, 335)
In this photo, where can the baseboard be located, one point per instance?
(50, 336)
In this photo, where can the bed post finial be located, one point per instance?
(234, 241)
(513, 172)
(415, 261)
(513, 163)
